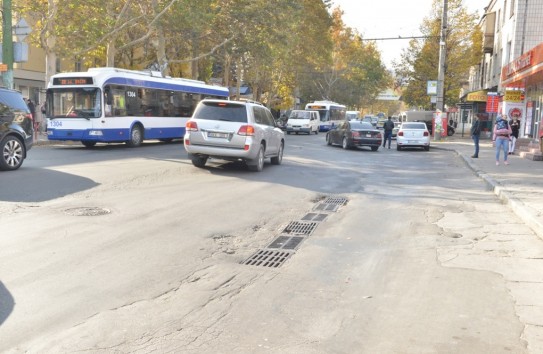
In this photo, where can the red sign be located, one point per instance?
(492, 103)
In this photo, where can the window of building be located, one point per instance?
(512, 10)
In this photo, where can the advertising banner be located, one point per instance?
(514, 110)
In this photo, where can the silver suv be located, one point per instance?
(233, 130)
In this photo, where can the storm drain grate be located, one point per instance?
(268, 258)
(300, 228)
(315, 217)
(286, 242)
(326, 207)
(335, 200)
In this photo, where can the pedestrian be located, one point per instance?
(388, 126)
(502, 132)
(31, 107)
(515, 126)
(475, 134)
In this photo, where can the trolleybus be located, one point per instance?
(117, 105)
(330, 113)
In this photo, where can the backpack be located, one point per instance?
(389, 125)
(502, 124)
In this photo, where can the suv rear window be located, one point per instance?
(12, 100)
(224, 111)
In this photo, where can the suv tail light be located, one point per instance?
(426, 134)
(246, 130)
(191, 126)
(400, 133)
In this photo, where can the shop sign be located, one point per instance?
(519, 64)
(513, 96)
(476, 96)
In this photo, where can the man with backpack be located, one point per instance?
(388, 126)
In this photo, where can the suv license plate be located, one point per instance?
(218, 135)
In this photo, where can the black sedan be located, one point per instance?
(354, 134)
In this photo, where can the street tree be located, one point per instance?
(420, 61)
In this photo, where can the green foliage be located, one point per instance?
(419, 63)
(281, 48)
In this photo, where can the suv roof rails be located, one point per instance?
(250, 101)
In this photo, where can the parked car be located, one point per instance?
(355, 134)
(413, 134)
(233, 131)
(303, 121)
(16, 130)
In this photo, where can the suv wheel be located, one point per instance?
(276, 160)
(257, 164)
(12, 153)
(199, 161)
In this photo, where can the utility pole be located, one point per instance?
(442, 57)
(440, 99)
(7, 44)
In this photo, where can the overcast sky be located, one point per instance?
(392, 18)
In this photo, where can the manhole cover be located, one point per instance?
(300, 228)
(268, 258)
(87, 211)
(314, 217)
(286, 242)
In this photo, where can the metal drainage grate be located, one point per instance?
(335, 200)
(268, 258)
(87, 211)
(315, 217)
(326, 207)
(300, 228)
(287, 242)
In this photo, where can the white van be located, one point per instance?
(303, 122)
(352, 115)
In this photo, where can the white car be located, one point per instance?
(413, 134)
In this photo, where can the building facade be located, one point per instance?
(508, 71)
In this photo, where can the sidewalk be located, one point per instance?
(519, 185)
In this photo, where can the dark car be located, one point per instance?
(355, 134)
(16, 129)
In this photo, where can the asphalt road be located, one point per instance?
(115, 249)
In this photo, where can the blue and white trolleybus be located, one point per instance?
(330, 113)
(116, 105)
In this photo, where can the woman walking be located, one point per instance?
(502, 132)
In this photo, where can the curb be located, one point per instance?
(528, 215)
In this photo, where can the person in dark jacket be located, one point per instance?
(475, 133)
(388, 126)
(515, 126)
